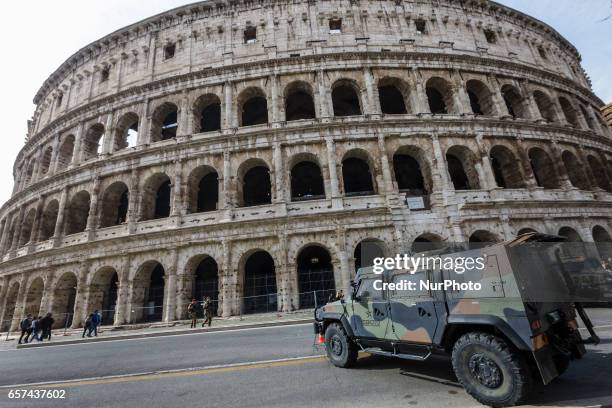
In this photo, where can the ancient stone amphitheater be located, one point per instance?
(248, 150)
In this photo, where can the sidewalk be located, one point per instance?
(157, 329)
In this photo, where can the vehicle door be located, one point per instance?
(369, 314)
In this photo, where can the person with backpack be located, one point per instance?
(45, 325)
(95, 322)
(192, 312)
(207, 311)
(26, 328)
(87, 326)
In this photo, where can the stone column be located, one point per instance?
(178, 204)
(144, 124)
(36, 227)
(17, 232)
(460, 96)
(525, 163)
(81, 303)
(55, 155)
(227, 289)
(185, 117)
(532, 106)
(184, 293)
(345, 274)
(498, 98)
(20, 304)
(78, 141)
(6, 234)
(442, 181)
(123, 309)
(384, 162)
(325, 109)
(228, 106)
(92, 217)
(170, 288)
(557, 159)
(4, 282)
(279, 187)
(59, 223)
(227, 202)
(285, 295)
(333, 173)
(109, 134)
(371, 91)
(273, 110)
(132, 214)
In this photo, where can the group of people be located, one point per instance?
(91, 324)
(195, 308)
(38, 328)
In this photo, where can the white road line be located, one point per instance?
(180, 370)
(159, 337)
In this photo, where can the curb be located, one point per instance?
(167, 333)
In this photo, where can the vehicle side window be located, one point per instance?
(367, 291)
(416, 278)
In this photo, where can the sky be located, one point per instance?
(40, 35)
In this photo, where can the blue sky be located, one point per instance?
(40, 35)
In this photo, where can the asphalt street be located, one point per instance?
(271, 367)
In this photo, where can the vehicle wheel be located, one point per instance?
(562, 362)
(341, 351)
(490, 371)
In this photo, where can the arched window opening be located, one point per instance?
(206, 282)
(481, 100)
(208, 192)
(207, 112)
(254, 107)
(64, 156)
(462, 168)
(164, 124)
(366, 251)
(64, 296)
(391, 100)
(481, 239)
(256, 187)
(506, 168)
(408, 175)
(259, 284)
(588, 118)
(34, 298)
(543, 168)
(156, 197)
(103, 294)
(46, 160)
(570, 234)
(115, 202)
(357, 177)
(545, 106)
(574, 171)
(514, 102)
(49, 219)
(162, 200)
(148, 293)
(569, 111)
(599, 173)
(427, 242)
(9, 307)
(127, 132)
(92, 143)
(603, 242)
(169, 126)
(26, 228)
(524, 231)
(345, 99)
(439, 96)
(29, 173)
(299, 103)
(78, 213)
(306, 182)
(315, 276)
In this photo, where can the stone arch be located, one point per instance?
(461, 163)
(65, 152)
(545, 106)
(148, 292)
(254, 185)
(299, 101)
(64, 297)
(49, 220)
(345, 98)
(164, 122)
(601, 180)
(427, 241)
(259, 290)
(603, 242)
(481, 100)
(482, 238)
(587, 117)
(315, 273)
(306, 178)
(543, 168)
(575, 171)
(394, 96)
(358, 173)
(92, 142)
(526, 230)
(253, 107)
(78, 211)
(570, 234)
(207, 113)
(506, 168)
(570, 113)
(205, 274)
(34, 297)
(126, 133)
(103, 291)
(203, 185)
(115, 205)
(367, 250)
(45, 162)
(412, 171)
(27, 227)
(440, 96)
(9, 306)
(156, 197)
(516, 104)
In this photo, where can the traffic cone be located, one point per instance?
(321, 339)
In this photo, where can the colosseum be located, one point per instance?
(248, 150)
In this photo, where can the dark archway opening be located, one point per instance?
(255, 111)
(475, 103)
(259, 284)
(457, 173)
(543, 168)
(154, 299)
(299, 105)
(436, 101)
(315, 276)
(162, 200)
(408, 175)
(357, 177)
(391, 100)
(169, 126)
(206, 282)
(257, 189)
(78, 213)
(498, 172)
(210, 118)
(208, 193)
(306, 182)
(365, 253)
(109, 300)
(345, 101)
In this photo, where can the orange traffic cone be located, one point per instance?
(321, 339)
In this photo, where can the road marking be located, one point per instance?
(229, 329)
(186, 372)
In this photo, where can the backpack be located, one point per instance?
(25, 324)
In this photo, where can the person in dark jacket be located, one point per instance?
(45, 324)
(207, 311)
(87, 325)
(192, 311)
(26, 328)
(95, 322)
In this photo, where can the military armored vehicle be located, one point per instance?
(519, 325)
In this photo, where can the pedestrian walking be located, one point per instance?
(207, 311)
(26, 328)
(35, 329)
(87, 326)
(95, 322)
(192, 311)
(46, 324)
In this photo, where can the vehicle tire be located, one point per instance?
(490, 370)
(341, 350)
(562, 362)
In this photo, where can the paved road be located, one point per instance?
(308, 382)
